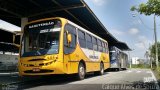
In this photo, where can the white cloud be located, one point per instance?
(140, 45)
(143, 42)
(117, 32)
(137, 22)
(99, 2)
(142, 38)
(133, 31)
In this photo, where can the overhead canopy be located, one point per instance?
(121, 45)
(6, 36)
(76, 11)
(6, 41)
(8, 47)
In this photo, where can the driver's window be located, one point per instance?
(68, 48)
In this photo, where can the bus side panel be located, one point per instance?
(124, 60)
(74, 59)
(94, 63)
(71, 63)
(106, 61)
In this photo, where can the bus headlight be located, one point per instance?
(26, 65)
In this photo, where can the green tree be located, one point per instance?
(152, 51)
(151, 7)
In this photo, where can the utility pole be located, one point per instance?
(150, 56)
(155, 34)
(156, 49)
(146, 55)
(130, 60)
(151, 62)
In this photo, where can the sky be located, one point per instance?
(127, 26)
(130, 27)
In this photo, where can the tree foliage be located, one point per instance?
(151, 7)
(152, 50)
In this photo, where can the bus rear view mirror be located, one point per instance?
(17, 45)
(14, 40)
(69, 38)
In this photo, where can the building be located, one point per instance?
(8, 51)
(135, 60)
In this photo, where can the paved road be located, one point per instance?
(129, 79)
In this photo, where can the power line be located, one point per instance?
(134, 15)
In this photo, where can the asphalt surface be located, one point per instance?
(131, 79)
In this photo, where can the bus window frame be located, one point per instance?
(24, 40)
(66, 46)
(78, 30)
(107, 48)
(100, 45)
(94, 43)
(89, 41)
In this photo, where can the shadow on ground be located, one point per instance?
(52, 80)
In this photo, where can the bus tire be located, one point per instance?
(81, 71)
(117, 69)
(101, 71)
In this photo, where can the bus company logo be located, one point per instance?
(41, 24)
(93, 56)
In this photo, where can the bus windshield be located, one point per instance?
(41, 38)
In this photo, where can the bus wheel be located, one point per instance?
(81, 71)
(117, 69)
(101, 72)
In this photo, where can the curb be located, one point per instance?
(9, 74)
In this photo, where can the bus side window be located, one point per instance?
(89, 42)
(106, 46)
(81, 38)
(99, 45)
(94, 41)
(71, 30)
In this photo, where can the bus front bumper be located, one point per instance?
(54, 68)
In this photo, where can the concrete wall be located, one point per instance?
(4, 58)
(8, 62)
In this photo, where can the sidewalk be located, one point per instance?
(13, 77)
(9, 80)
(8, 74)
(7, 77)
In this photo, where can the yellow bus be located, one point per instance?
(59, 46)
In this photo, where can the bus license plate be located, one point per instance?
(36, 69)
